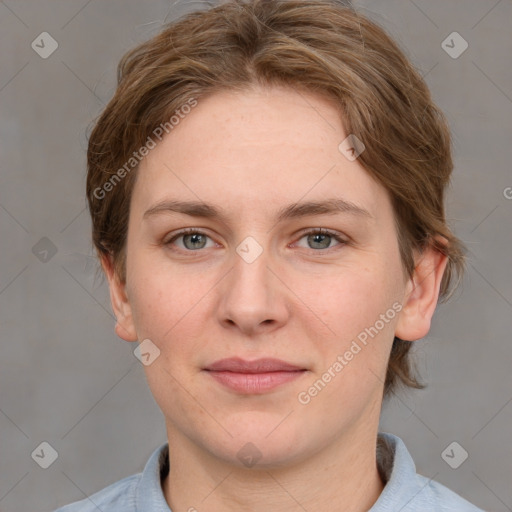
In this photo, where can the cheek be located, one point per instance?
(357, 305)
(166, 310)
(165, 303)
(351, 298)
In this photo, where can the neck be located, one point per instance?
(344, 474)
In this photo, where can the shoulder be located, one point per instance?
(120, 495)
(407, 490)
(141, 491)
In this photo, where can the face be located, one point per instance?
(273, 269)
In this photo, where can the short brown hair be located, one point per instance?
(318, 46)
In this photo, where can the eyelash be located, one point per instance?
(318, 231)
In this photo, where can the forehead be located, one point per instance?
(258, 149)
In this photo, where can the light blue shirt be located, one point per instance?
(405, 490)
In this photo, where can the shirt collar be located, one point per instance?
(149, 495)
(399, 473)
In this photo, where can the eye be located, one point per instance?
(192, 240)
(322, 238)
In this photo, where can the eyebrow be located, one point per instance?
(291, 211)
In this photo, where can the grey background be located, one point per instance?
(65, 377)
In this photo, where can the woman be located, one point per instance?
(267, 197)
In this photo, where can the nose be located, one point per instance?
(253, 299)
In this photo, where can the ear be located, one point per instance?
(125, 327)
(422, 294)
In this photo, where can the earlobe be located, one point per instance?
(125, 327)
(422, 295)
(121, 331)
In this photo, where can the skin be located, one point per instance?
(303, 300)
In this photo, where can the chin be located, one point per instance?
(266, 445)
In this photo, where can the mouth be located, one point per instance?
(253, 377)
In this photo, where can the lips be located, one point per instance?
(266, 365)
(253, 377)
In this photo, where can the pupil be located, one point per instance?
(319, 238)
(195, 240)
